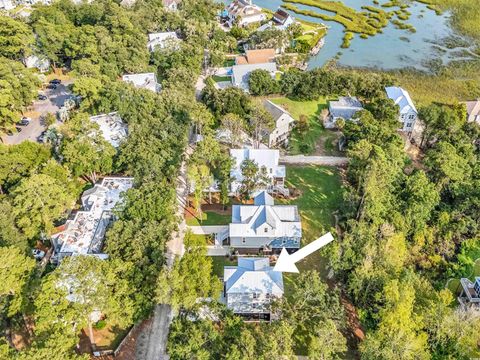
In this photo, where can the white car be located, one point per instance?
(38, 254)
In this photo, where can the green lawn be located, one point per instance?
(321, 196)
(217, 78)
(306, 143)
(219, 262)
(209, 218)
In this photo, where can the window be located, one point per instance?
(284, 241)
(271, 170)
(243, 240)
(411, 117)
(256, 295)
(265, 230)
(409, 125)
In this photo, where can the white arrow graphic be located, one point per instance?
(286, 262)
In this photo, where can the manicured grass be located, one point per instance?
(209, 218)
(217, 78)
(312, 109)
(321, 196)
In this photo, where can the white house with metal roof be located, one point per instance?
(264, 225)
(84, 234)
(408, 112)
(143, 81)
(162, 40)
(346, 107)
(264, 158)
(473, 111)
(243, 13)
(283, 124)
(113, 129)
(241, 73)
(6, 5)
(250, 287)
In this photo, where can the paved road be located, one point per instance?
(55, 100)
(153, 346)
(314, 160)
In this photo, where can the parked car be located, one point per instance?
(19, 129)
(55, 81)
(42, 97)
(24, 121)
(51, 86)
(38, 254)
(41, 137)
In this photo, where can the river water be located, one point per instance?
(392, 49)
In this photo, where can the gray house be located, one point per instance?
(283, 124)
(408, 112)
(345, 108)
(470, 295)
(250, 287)
(264, 226)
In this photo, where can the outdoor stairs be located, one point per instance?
(222, 235)
(280, 189)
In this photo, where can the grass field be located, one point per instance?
(316, 132)
(321, 196)
(219, 262)
(209, 218)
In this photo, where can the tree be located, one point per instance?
(252, 178)
(234, 125)
(446, 164)
(261, 83)
(38, 201)
(16, 38)
(16, 273)
(80, 287)
(190, 278)
(327, 342)
(10, 234)
(200, 176)
(201, 117)
(88, 89)
(260, 121)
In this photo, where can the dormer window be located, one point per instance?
(265, 230)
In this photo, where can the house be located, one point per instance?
(171, 5)
(344, 108)
(243, 13)
(42, 64)
(162, 40)
(6, 5)
(256, 57)
(250, 288)
(264, 158)
(264, 226)
(470, 295)
(84, 234)
(113, 129)
(408, 112)
(473, 111)
(282, 19)
(241, 73)
(143, 81)
(283, 124)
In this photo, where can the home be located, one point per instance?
(283, 124)
(256, 57)
(344, 108)
(264, 158)
(163, 40)
(470, 295)
(6, 5)
(42, 64)
(250, 288)
(143, 81)
(113, 129)
(171, 5)
(243, 13)
(408, 112)
(473, 111)
(282, 19)
(241, 73)
(84, 234)
(264, 226)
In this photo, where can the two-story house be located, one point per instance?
(243, 13)
(264, 158)
(264, 226)
(283, 124)
(250, 288)
(408, 112)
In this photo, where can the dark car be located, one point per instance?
(41, 137)
(51, 86)
(19, 129)
(42, 97)
(23, 122)
(55, 81)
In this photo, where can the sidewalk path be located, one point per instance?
(314, 160)
(207, 229)
(153, 345)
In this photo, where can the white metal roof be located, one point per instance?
(113, 129)
(241, 73)
(143, 81)
(267, 158)
(162, 39)
(401, 98)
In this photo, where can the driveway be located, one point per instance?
(314, 160)
(56, 98)
(208, 229)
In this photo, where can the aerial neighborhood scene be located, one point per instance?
(239, 179)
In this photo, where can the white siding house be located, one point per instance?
(265, 225)
(250, 287)
(241, 73)
(283, 124)
(266, 158)
(408, 112)
(473, 111)
(243, 13)
(6, 5)
(162, 40)
(143, 81)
